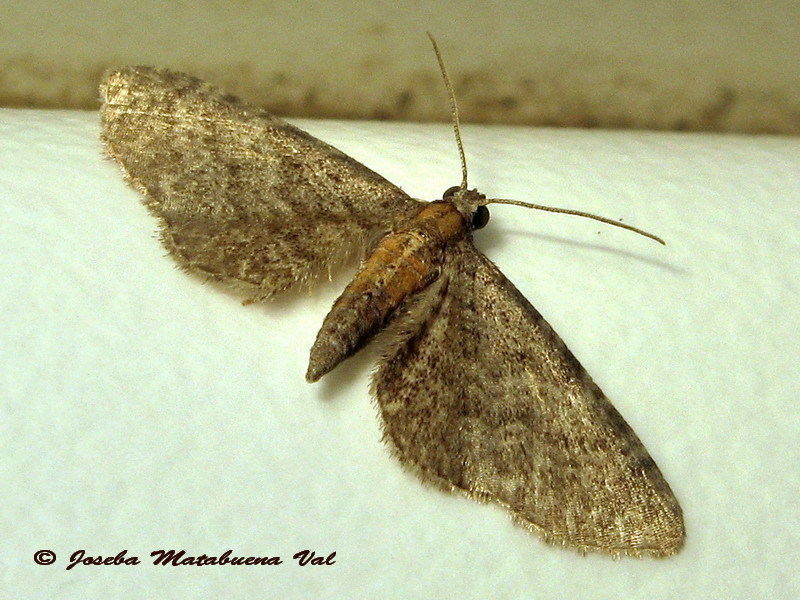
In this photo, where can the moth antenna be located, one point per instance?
(457, 131)
(578, 213)
(453, 110)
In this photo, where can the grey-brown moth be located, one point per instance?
(476, 391)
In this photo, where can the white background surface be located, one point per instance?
(142, 409)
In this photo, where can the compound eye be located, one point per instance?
(480, 218)
(450, 192)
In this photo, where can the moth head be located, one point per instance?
(470, 203)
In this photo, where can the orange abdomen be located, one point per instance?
(403, 263)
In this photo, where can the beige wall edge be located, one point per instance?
(677, 65)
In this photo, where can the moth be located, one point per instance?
(477, 393)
